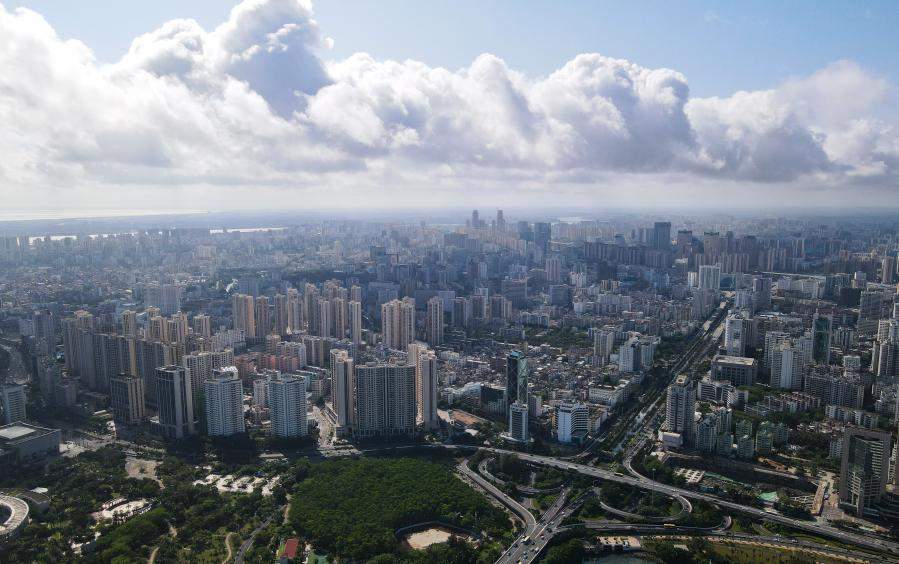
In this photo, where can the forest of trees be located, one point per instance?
(352, 508)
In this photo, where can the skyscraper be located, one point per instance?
(223, 397)
(710, 277)
(516, 378)
(680, 409)
(263, 317)
(821, 336)
(287, 405)
(661, 235)
(572, 422)
(355, 321)
(435, 321)
(427, 389)
(736, 334)
(174, 397)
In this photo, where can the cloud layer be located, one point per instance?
(253, 104)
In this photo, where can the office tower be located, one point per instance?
(435, 321)
(200, 366)
(398, 323)
(355, 320)
(282, 314)
(223, 396)
(710, 277)
(426, 389)
(821, 335)
(385, 400)
(260, 392)
(603, 345)
(572, 422)
(126, 398)
(263, 318)
(736, 334)
(661, 235)
(174, 398)
(475, 220)
(516, 378)
(888, 270)
(342, 386)
(13, 401)
(680, 408)
(129, 323)
(863, 469)
(554, 270)
(287, 405)
(202, 325)
(518, 422)
(243, 311)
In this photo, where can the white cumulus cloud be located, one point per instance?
(252, 103)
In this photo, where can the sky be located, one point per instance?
(284, 104)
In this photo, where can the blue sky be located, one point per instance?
(721, 47)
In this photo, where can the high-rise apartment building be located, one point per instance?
(398, 323)
(385, 400)
(243, 311)
(354, 309)
(287, 405)
(126, 399)
(435, 321)
(223, 397)
(343, 383)
(680, 409)
(710, 277)
(426, 389)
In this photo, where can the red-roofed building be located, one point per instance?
(291, 546)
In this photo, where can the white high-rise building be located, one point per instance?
(603, 345)
(554, 270)
(260, 392)
(200, 366)
(343, 389)
(223, 395)
(787, 367)
(12, 399)
(736, 334)
(435, 321)
(518, 422)
(398, 323)
(680, 409)
(174, 398)
(572, 422)
(287, 405)
(710, 277)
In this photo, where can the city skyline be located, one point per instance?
(258, 108)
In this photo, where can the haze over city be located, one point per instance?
(284, 104)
